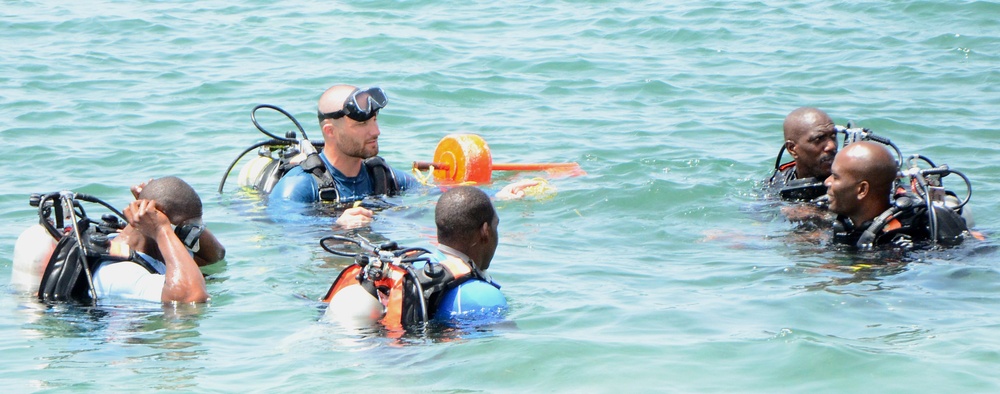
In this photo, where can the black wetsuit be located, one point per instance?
(905, 225)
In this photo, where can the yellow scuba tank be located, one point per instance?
(31, 254)
(264, 171)
(253, 172)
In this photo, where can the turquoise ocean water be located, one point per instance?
(659, 271)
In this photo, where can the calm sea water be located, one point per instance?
(658, 271)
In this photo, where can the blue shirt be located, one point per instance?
(300, 186)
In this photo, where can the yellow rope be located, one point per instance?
(428, 178)
(425, 180)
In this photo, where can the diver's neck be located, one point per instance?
(448, 250)
(868, 214)
(348, 165)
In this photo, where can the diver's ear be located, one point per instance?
(484, 232)
(327, 127)
(863, 188)
(790, 147)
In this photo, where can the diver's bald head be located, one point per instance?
(811, 139)
(872, 162)
(174, 197)
(333, 99)
(804, 119)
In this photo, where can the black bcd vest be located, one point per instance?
(68, 276)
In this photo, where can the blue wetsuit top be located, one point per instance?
(473, 301)
(300, 186)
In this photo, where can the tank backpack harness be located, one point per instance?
(292, 151)
(383, 180)
(409, 295)
(82, 245)
(909, 221)
(924, 208)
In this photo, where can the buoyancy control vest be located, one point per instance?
(411, 286)
(907, 222)
(82, 245)
(69, 275)
(383, 179)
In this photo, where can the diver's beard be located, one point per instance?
(361, 151)
(369, 153)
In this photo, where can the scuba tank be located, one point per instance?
(31, 253)
(354, 306)
(257, 171)
(274, 157)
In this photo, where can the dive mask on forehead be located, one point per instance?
(361, 105)
(190, 234)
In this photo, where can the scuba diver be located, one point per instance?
(401, 287)
(153, 254)
(811, 140)
(347, 169)
(874, 211)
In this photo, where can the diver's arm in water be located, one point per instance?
(360, 216)
(516, 190)
(807, 213)
(183, 280)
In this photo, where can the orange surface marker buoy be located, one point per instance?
(462, 158)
